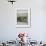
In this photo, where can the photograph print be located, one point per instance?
(23, 17)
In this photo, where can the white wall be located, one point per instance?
(8, 28)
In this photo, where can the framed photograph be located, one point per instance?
(23, 17)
